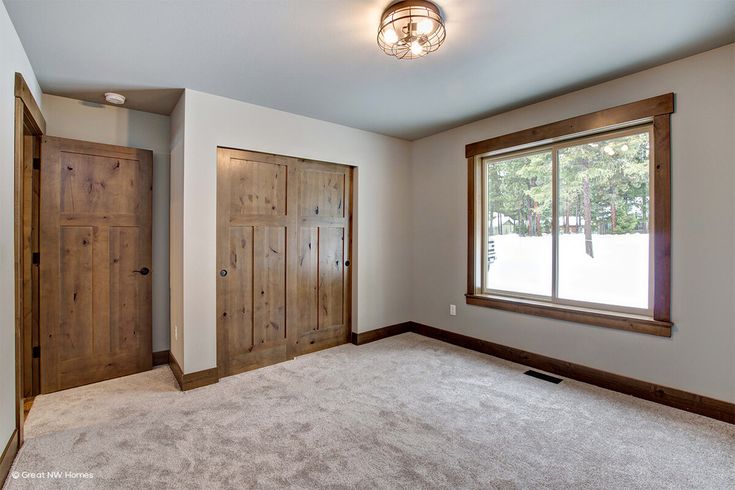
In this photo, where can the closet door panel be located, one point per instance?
(331, 277)
(325, 218)
(254, 229)
(269, 268)
(308, 280)
(283, 247)
(239, 298)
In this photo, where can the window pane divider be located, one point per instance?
(554, 224)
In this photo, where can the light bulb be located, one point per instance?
(390, 36)
(416, 48)
(608, 149)
(425, 26)
(624, 148)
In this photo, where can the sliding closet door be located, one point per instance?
(283, 235)
(255, 224)
(323, 272)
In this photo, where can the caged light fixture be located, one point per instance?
(411, 29)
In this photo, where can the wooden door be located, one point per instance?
(254, 227)
(323, 273)
(274, 299)
(95, 260)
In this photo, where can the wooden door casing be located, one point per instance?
(95, 239)
(30, 203)
(269, 287)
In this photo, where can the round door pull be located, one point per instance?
(347, 263)
(144, 271)
(223, 272)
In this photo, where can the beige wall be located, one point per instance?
(70, 118)
(381, 259)
(700, 356)
(12, 59)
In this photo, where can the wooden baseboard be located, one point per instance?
(702, 405)
(189, 381)
(176, 369)
(381, 333)
(200, 378)
(6, 460)
(672, 397)
(160, 358)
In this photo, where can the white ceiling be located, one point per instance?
(319, 58)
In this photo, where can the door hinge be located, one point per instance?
(36, 352)
(36, 164)
(36, 258)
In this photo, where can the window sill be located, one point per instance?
(631, 323)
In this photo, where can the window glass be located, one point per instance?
(603, 212)
(519, 212)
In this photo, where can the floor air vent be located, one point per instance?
(545, 377)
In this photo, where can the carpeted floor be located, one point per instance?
(404, 412)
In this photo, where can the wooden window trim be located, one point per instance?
(663, 105)
(656, 110)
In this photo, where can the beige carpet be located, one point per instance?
(404, 412)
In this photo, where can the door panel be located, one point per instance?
(239, 303)
(308, 280)
(98, 185)
(324, 252)
(253, 233)
(125, 297)
(95, 240)
(282, 244)
(76, 321)
(331, 277)
(269, 268)
(322, 194)
(257, 188)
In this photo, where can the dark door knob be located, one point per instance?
(223, 272)
(144, 271)
(347, 263)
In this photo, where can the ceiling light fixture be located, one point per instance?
(411, 29)
(114, 98)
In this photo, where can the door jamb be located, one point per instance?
(28, 119)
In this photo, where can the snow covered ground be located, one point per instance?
(617, 275)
